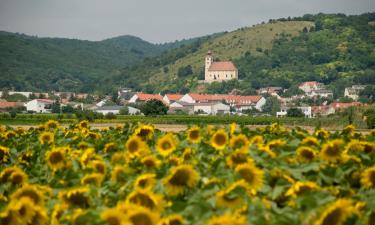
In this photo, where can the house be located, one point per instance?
(238, 101)
(306, 110)
(323, 93)
(179, 106)
(170, 98)
(116, 110)
(211, 108)
(39, 105)
(269, 90)
(142, 97)
(322, 110)
(353, 92)
(310, 86)
(343, 105)
(218, 71)
(125, 93)
(4, 105)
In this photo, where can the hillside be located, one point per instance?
(336, 49)
(31, 63)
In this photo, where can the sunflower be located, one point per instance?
(113, 217)
(46, 138)
(146, 199)
(239, 141)
(179, 178)
(151, 161)
(84, 124)
(25, 157)
(76, 197)
(238, 157)
(336, 213)
(232, 196)
(29, 191)
(252, 175)
(4, 154)
(18, 177)
(145, 181)
(40, 217)
(136, 147)
(368, 178)
(193, 135)
(82, 145)
(331, 151)
(166, 144)
(368, 147)
(139, 215)
(301, 187)
(110, 147)
(94, 178)
(7, 172)
(275, 144)
(118, 157)
(348, 130)
(266, 149)
(145, 132)
(219, 139)
(310, 141)
(56, 158)
(174, 219)
(51, 124)
(24, 208)
(79, 217)
(119, 174)
(322, 133)
(354, 145)
(227, 219)
(98, 166)
(187, 154)
(305, 154)
(87, 155)
(57, 212)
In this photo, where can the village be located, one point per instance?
(127, 101)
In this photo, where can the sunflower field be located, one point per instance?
(134, 174)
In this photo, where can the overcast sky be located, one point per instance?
(156, 20)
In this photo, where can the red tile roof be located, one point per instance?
(146, 97)
(222, 66)
(342, 105)
(310, 83)
(174, 97)
(45, 100)
(4, 105)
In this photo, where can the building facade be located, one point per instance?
(219, 71)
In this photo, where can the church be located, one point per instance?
(219, 71)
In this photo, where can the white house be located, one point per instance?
(39, 105)
(353, 92)
(142, 97)
(116, 110)
(324, 93)
(170, 98)
(212, 108)
(310, 86)
(180, 106)
(305, 110)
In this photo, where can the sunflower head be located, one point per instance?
(56, 158)
(84, 124)
(232, 197)
(174, 219)
(51, 124)
(98, 165)
(310, 141)
(166, 144)
(146, 198)
(151, 161)
(4, 154)
(136, 147)
(113, 217)
(139, 215)
(76, 197)
(179, 178)
(119, 174)
(46, 138)
(228, 218)
(257, 140)
(238, 157)
(219, 139)
(29, 191)
(193, 135)
(305, 154)
(110, 147)
(336, 213)
(368, 178)
(93, 179)
(145, 132)
(300, 187)
(251, 174)
(331, 151)
(145, 181)
(239, 141)
(18, 177)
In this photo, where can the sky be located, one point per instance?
(157, 21)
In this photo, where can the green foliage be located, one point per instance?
(295, 112)
(153, 107)
(16, 98)
(272, 106)
(124, 111)
(370, 118)
(184, 71)
(56, 107)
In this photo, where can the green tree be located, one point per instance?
(295, 112)
(272, 106)
(154, 107)
(56, 107)
(124, 111)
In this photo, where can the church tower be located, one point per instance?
(208, 61)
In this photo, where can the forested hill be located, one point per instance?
(335, 49)
(45, 64)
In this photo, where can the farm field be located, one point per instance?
(137, 174)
